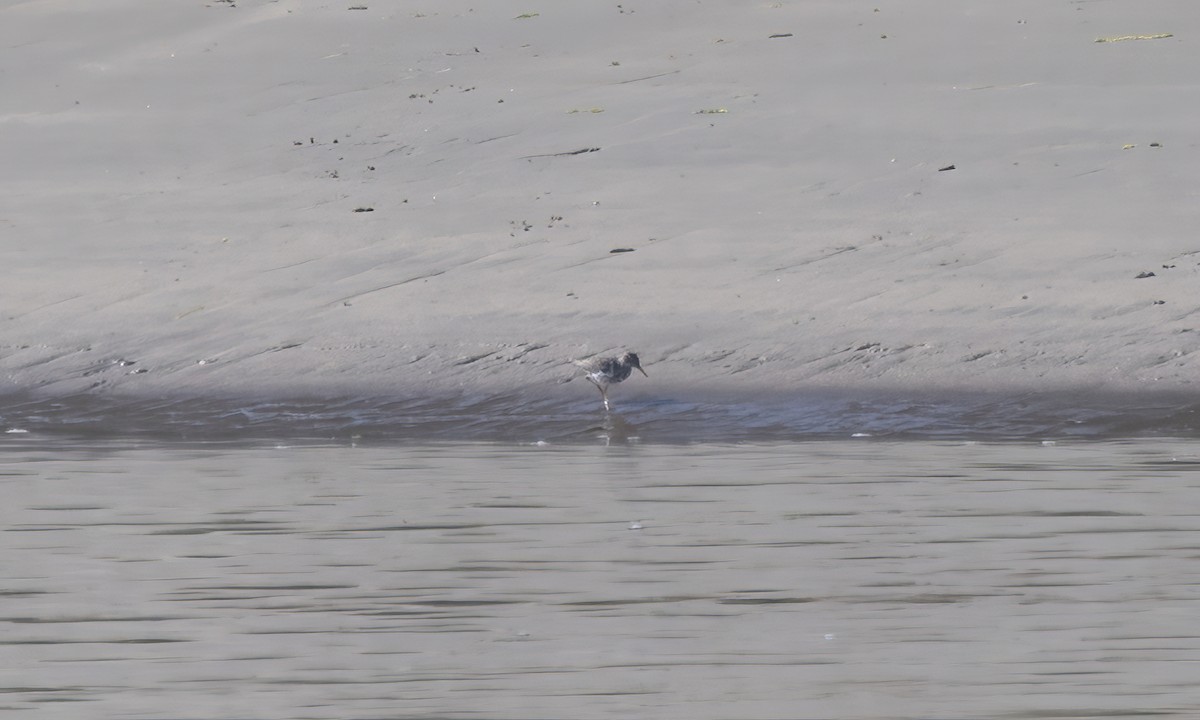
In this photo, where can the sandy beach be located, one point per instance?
(301, 199)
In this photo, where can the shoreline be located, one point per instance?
(643, 416)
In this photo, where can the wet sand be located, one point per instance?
(870, 580)
(293, 200)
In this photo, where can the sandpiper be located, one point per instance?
(605, 371)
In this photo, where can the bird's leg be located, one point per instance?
(603, 392)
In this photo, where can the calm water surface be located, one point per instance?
(823, 579)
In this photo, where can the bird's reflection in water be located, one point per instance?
(615, 429)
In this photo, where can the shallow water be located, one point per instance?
(668, 418)
(848, 579)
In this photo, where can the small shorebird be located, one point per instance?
(605, 371)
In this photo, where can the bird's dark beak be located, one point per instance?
(639, 367)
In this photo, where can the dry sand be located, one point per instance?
(186, 188)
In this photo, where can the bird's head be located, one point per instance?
(631, 359)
